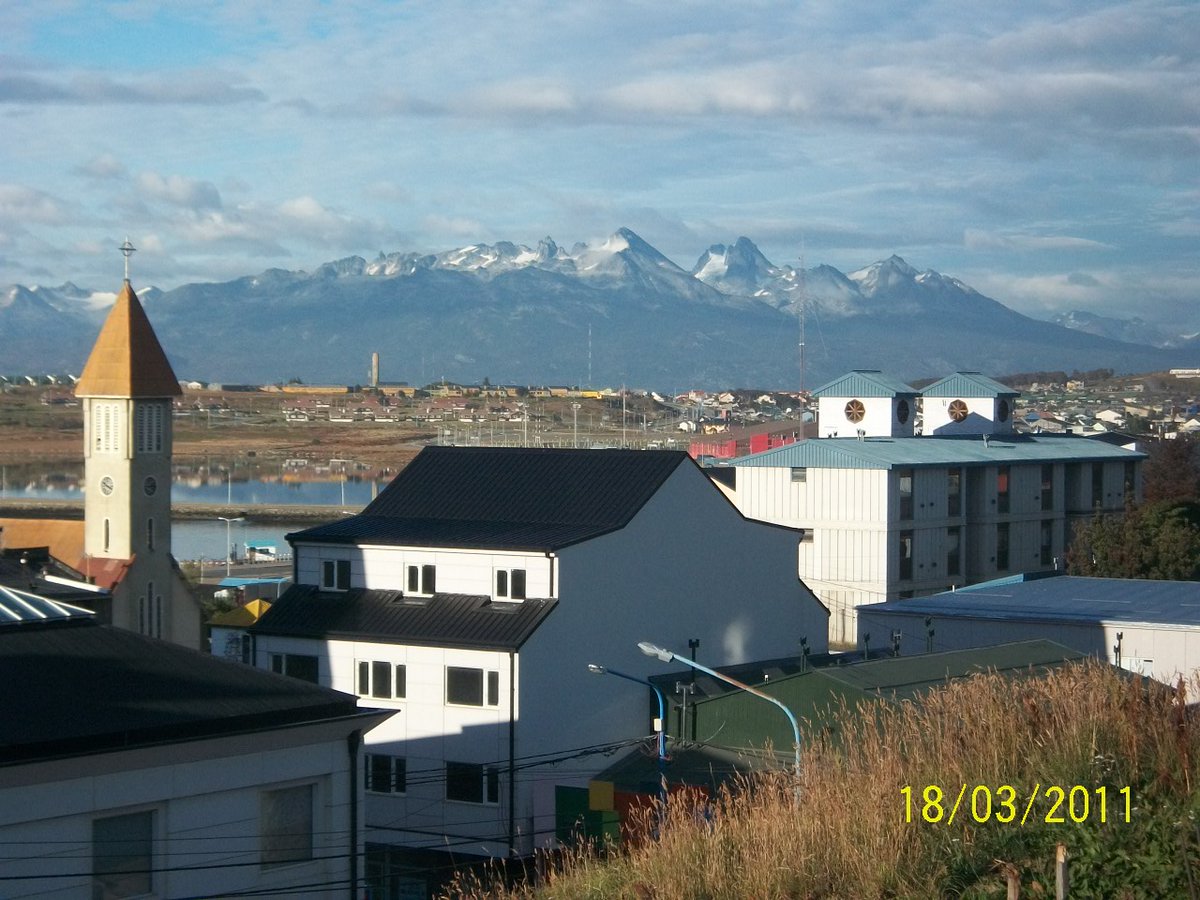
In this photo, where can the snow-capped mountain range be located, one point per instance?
(619, 310)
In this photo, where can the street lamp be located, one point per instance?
(228, 545)
(662, 704)
(667, 656)
(575, 426)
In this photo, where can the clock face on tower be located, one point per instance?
(150, 485)
(107, 485)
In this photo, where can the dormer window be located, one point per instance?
(422, 580)
(335, 575)
(510, 584)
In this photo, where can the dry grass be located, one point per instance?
(847, 836)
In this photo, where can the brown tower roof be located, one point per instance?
(127, 360)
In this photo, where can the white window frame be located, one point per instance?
(505, 584)
(332, 572)
(489, 687)
(489, 784)
(397, 774)
(420, 579)
(396, 672)
(276, 850)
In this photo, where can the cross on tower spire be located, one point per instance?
(128, 249)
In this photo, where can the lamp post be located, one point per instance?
(575, 424)
(662, 704)
(662, 724)
(668, 656)
(228, 551)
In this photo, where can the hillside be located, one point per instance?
(854, 834)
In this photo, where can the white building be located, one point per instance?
(868, 402)
(470, 597)
(130, 767)
(894, 517)
(1148, 627)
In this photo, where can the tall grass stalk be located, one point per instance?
(847, 836)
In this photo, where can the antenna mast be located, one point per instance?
(803, 305)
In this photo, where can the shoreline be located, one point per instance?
(38, 508)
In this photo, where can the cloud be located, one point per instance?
(93, 88)
(24, 206)
(976, 239)
(179, 190)
(102, 167)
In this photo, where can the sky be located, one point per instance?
(1047, 154)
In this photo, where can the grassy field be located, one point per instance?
(853, 834)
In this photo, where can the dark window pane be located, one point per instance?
(302, 667)
(122, 851)
(493, 688)
(277, 663)
(464, 781)
(364, 678)
(287, 825)
(401, 682)
(502, 583)
(381, 679)
(464, 686)
(400, 780)
(493, 785)
(343, 574)
(428, 579)
(414, 584)
(379, 774)
(518, 584)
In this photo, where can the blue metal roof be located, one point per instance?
(866, 383)
(1062, 598)
(242, 582)
(968, 384)
(941, 450)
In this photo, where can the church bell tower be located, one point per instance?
(126, 389)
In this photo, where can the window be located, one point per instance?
(149, 534)
(799, 474)
(1097, 484)
(107, 532)
(148, 427)
(510, 584)
(122, 855)
(295, 665)
(105, 434)
(464, 687)
(335, 574)
(1047, 543)
(954, 550)
(287, 825)
(422, 579)
(382, 680)
(906, 555)
(1130, 480)
(1002, 546)
(472, 783)
(1002, 494)
(906, 494)
(385, 774)
(954, 492)
(1047, 487)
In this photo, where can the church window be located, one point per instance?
(107, 531)
(148, 426)
(149, 534)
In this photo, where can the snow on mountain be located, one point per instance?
(526, 314)
(1133, 330)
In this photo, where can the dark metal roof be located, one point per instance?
(459, 620)
(78, 687)
(506, 497)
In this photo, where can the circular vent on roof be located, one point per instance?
(902, 411)
(958, 410)
(855, 411)
(1002, 411)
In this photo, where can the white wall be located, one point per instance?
(206, 796)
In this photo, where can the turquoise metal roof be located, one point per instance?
(949, 450)
(866, 383)
(968, 384)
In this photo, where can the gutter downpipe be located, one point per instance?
(353, 742)
(512, 753)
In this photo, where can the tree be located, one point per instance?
(1158, 540)
(1172, 470)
